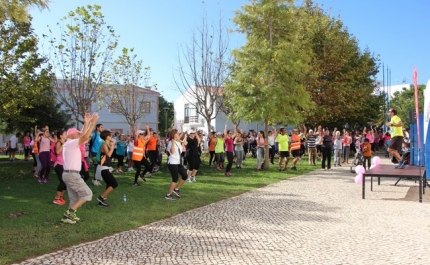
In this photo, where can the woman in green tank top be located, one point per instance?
(219, 151)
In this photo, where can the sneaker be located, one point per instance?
(136, 184)
(143, 178)
(130, 169)
(293, 168)
(120, 171)
(71, 215)
(65, 220)
(45, 180)
(193, 179)
(401, 166)
(102, 202)
(59, 201)
(63, 200)
(189, 180)
(96, 182)
(36, 176)
(169, 197)
(177, 192)
(40, 180)
(117, 171)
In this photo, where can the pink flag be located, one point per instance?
(415, 78)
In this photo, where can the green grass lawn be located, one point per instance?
(30, 222)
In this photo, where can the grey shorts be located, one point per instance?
(77, 189)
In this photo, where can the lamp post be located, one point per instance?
(165, 121)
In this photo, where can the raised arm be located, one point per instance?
(89, 124)
(225, 131)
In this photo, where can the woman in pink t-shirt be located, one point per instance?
(45, 155)
(27, 145)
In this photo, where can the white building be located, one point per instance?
(116, 122)
(186, 114)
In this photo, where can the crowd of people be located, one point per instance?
(72, 152)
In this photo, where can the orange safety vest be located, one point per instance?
(139, 150)
(35, 147)
(295, 142)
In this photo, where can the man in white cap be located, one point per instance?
(77, 189)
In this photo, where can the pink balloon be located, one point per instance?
(376, 160)
(360, 169)
(358, 179)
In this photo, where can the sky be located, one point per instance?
(396, 31)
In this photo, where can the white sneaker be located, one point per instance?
(130, 169)
(189, 180)
(96, 182)
(193, 179)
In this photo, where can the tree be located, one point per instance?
(25, 77)
(341, 77)
(125, 96)
(265, 81)
(203, 70)
(47, 112)
(166, 114)
(404, 102)
(17, 10)
(81, 55)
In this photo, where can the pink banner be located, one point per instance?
(417, 110)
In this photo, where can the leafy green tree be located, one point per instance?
(265, 80)
(404, 101)
(81, 56)
(17, 10)
(125, 95)
(47, 112)
(166, 114)
(341, 77)
(26, 79)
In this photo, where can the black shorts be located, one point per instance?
(319, 148)
(295, 153)
(193, 162)
(396, 143)
(12, 149)
(283, 154)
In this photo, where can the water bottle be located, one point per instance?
(124, 199)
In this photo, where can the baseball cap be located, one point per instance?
(140, 132)
(72, 131)
(311, 130)
(218, 133)
(191, 131)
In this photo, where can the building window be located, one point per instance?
(190, 114)
(146, 106)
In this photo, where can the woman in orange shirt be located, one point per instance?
(212, 143)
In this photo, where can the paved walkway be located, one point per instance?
(316, 218)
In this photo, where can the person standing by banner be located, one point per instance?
(396, 126)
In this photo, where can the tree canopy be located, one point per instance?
(80, 56)
(17, 10)
(26, 78)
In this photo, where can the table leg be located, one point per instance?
(363, 187)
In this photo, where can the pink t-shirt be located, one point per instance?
(45, 144)
(72, 155)
(59, 160)
(229, 144)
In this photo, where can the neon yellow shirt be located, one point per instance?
(219, 147)
(398, 130)
(283, 141)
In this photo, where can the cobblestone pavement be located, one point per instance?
(316, 218)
